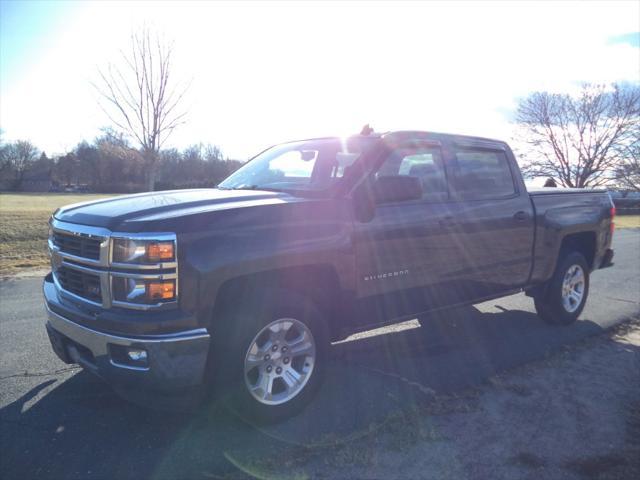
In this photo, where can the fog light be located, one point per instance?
(137, 355)
(129, 357)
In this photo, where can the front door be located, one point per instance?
(403, 253)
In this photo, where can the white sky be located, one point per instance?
(270, 72)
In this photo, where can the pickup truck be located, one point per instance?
(239, 290)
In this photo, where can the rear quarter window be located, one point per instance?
(481, 174)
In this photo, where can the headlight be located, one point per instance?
(143, 291)
(154, 258)
(127, 250)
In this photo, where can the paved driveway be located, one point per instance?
(60, 422)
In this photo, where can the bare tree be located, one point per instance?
(579, 141)
(141, 98)
(19, 157)
(628, 171)
(4, 153)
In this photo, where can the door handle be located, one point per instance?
(521, 216)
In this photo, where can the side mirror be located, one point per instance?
(397, 188)
(391, 188)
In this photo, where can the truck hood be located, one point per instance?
(113, 212)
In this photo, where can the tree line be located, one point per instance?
(110, 164)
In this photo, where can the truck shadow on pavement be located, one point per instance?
(79, 428)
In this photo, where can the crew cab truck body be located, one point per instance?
(240, 289)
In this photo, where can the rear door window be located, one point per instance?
(481, 174)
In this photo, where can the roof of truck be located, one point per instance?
(400, 133)
(452, 136)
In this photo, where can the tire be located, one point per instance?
(557, 305)
(255, 344)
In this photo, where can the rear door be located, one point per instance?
(491, 222)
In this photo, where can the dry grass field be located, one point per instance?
(627, 221)
(23, 227)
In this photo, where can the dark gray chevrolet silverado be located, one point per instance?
(239, 290)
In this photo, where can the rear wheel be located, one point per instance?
(270, 357)
(566, 292)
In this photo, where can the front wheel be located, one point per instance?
(280, 361)
(271, 357)
(566, 292)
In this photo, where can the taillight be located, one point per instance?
(613, 215)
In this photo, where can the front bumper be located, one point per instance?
(175, 361)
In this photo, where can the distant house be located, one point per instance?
(37, 180)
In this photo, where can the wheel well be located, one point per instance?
(585, 243)
(318, 282)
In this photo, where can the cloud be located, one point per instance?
(632, 39)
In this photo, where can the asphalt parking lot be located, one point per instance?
(60, 422)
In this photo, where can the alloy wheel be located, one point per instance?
(279, 361)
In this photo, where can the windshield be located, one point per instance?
(306, 165)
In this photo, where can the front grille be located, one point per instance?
(83, 284)
(78, 245)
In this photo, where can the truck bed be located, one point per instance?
(564, 211)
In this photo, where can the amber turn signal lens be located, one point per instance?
(160, 251)
(165, 290)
